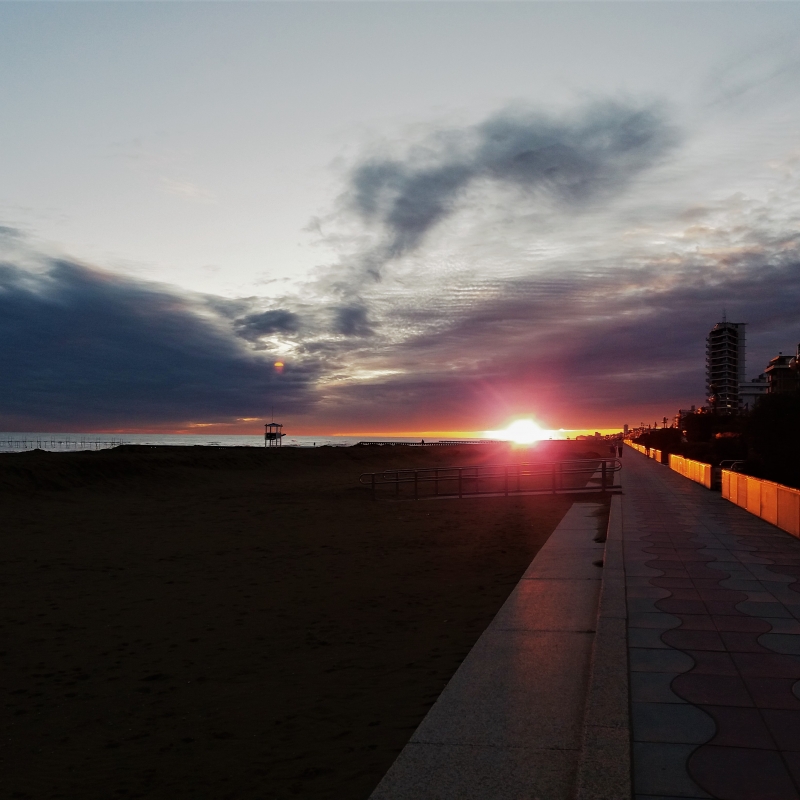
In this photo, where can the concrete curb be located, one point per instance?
(510, 723)
(604, 769)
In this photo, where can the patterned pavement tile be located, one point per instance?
(714, 644)
(647, 637)
(793, 764)
(783, 625)
(664, 797)
(740, 727)
(709, 662)
(772, 692)
(767, 665)
(643, 605)
(653, 687)
(697, 622)
(660, 769)
(713, 689)
(786, 643)
(740, 623)
(671, 722)
(649, 660)
(754, 609)
(742, 642)
(784, 725)
(742, 773)
(656, 619)
(694, 640)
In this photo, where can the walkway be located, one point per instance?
(539, 711)
(509, 725)
(713, 641)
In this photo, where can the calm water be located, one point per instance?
(19, 442)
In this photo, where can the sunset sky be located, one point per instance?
(439, 216)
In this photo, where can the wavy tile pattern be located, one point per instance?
(714, 643)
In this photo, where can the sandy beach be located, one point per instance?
(239, 623)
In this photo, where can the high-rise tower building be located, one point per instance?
(725, 353)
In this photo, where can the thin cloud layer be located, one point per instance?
(570, 162)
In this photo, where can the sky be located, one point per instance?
(438, 216)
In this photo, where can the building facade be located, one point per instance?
(783, 373)
(751, 390)
(725, 362)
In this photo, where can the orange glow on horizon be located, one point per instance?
(242, 428)
(521, 431)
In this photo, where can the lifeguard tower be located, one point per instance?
(273, 433)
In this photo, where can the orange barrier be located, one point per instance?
(639, 447)
(772, 502)
(693, 470)
(650, 452)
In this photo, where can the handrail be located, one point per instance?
(440, 443)
(542, 477)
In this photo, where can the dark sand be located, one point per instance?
(237, 623)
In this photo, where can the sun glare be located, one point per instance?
(521, 431)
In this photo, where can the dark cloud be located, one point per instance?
(253, 326)
(571, 161)
(87, 348)
(352, 321)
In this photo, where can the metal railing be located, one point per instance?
(546, 477)
(8, 444)
(440, 443)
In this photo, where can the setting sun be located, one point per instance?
(521, 431)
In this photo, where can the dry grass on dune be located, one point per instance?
(191, 622)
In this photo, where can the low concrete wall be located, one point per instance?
(772, 502)
(693, 470)
(638, 447)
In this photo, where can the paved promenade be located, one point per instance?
(713, 641)
(704, 599)
(509, 725)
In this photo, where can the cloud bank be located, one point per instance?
(554, 266)
(83, 347)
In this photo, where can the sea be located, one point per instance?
(14, 442)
